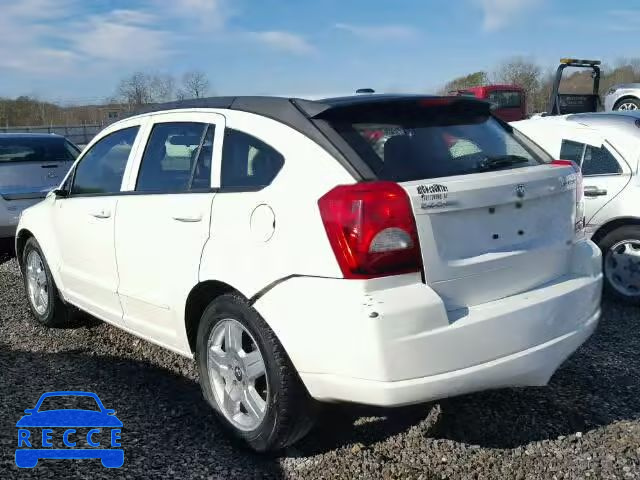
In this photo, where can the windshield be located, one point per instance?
(36, 149)
(402, 144)
(69, 402)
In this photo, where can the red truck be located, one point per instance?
(509, 101)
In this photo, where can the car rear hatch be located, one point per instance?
(491, 235)
(494, 216)
(31, 166)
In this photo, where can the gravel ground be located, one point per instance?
(586, 424)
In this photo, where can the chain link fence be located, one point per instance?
(78, 134)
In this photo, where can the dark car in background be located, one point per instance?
(30, 166)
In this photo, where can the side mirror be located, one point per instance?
(60, 193)
(109, 411)
(29, 411)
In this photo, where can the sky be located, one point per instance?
(77, 50)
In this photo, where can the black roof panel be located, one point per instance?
(306, 116)
(274, 107)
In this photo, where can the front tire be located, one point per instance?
(621, 263)
(247, 377)
(42, 294)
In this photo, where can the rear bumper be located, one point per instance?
(8, 219)
(10, 212)
(531, 367)
(391, 341)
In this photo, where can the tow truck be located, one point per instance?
(566, 103)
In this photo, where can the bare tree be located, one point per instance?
(522, 72)
(519, 71)
(141, 88)
(135, 89)
(162, 87)
(475, 79)
(195, 84)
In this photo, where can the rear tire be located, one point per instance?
(627, 104)
(247, 377)
(42, 294)
(621, 263)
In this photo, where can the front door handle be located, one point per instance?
(101, 213)
(188, 218)
(593, 191)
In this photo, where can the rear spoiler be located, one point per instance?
(318, 109)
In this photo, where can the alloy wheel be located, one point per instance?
(37, 283)
(627, 106)
(622, 267)
(237, 374)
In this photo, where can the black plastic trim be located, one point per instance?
(23, 196)
(130, 193)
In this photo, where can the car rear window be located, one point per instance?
(403, 141)
(36, 149)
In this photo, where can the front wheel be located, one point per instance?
(247, 377)
(44, 300)
(621, 257)
(628, 104)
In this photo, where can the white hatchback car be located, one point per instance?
(303, 250)
(607, 148)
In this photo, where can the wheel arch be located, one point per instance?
(611, 225)
(21, 240)
(198, 300)
(623, 98)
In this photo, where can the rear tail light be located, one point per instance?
(580, 219)
(371, 229)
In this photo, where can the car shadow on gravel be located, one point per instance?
(169, 431)
(595, 387)
(7, 250)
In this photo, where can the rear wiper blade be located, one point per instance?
(499, 161)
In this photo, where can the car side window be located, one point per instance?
(572, 151)
(177, 158)
(599, 161)
(101, 169)
(248, 161)
(592, 160)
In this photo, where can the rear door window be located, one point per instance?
(177, 158)
(403, 142)
(570, 150)
(592, 160)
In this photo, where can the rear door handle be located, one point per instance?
(50, 166)
(593, 191)
(188, 218)
(102, 213)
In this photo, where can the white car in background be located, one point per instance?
(607, 148)
(622, 97)
(378, 249)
